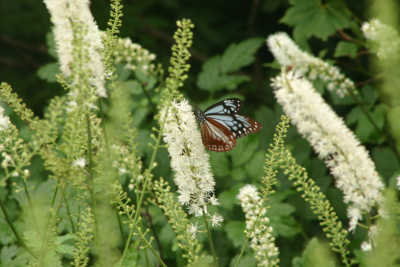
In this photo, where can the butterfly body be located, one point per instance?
(221, 125)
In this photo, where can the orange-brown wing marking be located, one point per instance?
(217, 137)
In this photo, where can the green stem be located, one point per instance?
(241, 252)
(210, 241)
(19, 240)
(28, 197)
(147, 178)
(69, 215)
(90, 159)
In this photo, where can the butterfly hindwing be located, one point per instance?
(239, 125)
(216, 137)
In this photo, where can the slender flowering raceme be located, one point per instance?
(288, 54)
(133, 55)
(189, 159)
(385, 37)
(346, 158)
(63, 14)
(257, 227)
(4, 120)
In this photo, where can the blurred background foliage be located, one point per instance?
(229, 58)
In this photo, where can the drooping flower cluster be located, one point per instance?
(63, 14)
(4, 120)
(257, 227)
(386, 38)
(133, 55)
(189, 159)
(288, 54)
(346, 158)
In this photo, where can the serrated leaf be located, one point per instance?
(346, 49)
(280, 216)
(231, 82)
(239, 55)
(48, 72)
(318, 253)
(244, 150)
(208, 78)
(311, 18)
(235, 232)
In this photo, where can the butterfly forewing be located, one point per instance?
(227, 106)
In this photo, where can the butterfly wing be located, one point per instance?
(227, 106)
(220, 125)
(237, 124)
(215, 136)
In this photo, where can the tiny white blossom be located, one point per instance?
(122, 171)
(4, 120)
(288, 54)
(366, 246)
(334, 143)
(258, 229)
(193, 230)
(63, 14)
(80, 162)
(189, 159)
(130, 187)
(216, 220)
(398, 182)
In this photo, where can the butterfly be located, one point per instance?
(221, 125)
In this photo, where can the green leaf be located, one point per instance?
(255, 166)
(318, 253)
(247, 260)
(239, 55)
(314, 18)
(122, 72)
(209, 77)
(48, 72)
(235, 232)
(227, 199)
(280, 216)
(231, 82)
(220, 164)
(215, 74)
(51, 44)
(386, 161)
(346, 49)
(239, 174)
(132, 86)
(365, 130)
(244, 150)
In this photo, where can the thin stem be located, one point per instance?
(28, 197)
(241, 252)
(146, 180)
(90, 159)
(210, 241)
(69, 215)
(19, 240)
